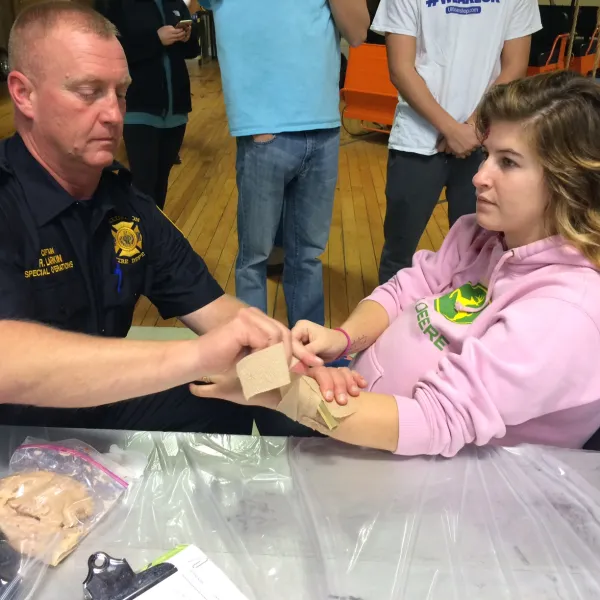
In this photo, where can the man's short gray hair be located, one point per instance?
(36, 22)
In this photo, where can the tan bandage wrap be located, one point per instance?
(301, 399)
(42, 513)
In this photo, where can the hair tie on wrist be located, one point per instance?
(349, 342)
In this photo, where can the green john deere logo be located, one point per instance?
(468, 295)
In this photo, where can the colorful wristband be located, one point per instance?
(347, 345)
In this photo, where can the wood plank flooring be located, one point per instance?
(202, 202)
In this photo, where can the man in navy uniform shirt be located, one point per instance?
(79, 245)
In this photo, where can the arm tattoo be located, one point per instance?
(358, 344)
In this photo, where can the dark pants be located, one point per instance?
(152, 152)
(173, 410)
(593, 443)
(414, 185)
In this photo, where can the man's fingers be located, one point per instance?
(204, 391)
(261, 331)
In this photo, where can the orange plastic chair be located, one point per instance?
(559, 65)
(368, 92)
(585, 64)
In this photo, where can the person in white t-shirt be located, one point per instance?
(443, 55)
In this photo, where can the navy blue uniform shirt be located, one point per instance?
(82, 266)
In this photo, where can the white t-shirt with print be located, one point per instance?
(459, 43)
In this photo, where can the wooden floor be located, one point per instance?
(202, 202)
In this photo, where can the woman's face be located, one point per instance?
(511, 191)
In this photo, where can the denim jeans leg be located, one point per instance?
(262, 172)
(279, 236)
(308, 211)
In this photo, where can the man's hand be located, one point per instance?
(460, 139)
(250, 330)
(442, 145)
(228, 387)
(316, 339)
(170, 35)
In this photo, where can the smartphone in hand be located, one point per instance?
(184, 24)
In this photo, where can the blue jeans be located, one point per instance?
(291, 176)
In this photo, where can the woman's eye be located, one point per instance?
(508, 163)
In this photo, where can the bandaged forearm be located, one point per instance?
(301, 399)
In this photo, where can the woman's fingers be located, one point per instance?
(359, 379)
(323, 376)
(338, 383)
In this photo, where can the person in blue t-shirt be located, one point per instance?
(280, 65)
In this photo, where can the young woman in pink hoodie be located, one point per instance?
(495, 338)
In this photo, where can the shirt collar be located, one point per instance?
(45, 197)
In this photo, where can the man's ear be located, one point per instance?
(22, 92)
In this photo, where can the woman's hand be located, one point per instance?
(188, 33)
(229, 387)
(338, 384)
(169, 35)
(319, 340)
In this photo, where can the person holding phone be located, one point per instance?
(157, 37)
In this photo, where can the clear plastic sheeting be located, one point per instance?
(314, 519)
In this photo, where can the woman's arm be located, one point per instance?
(525, 366)
(368, 321)
(430, 274)
(364, 326)
(373, 425)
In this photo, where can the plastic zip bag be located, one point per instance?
(55, 494)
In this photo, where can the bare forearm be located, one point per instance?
(215, 314)
(507, 75)
(368, 321)
(514, 63)
(373, 425)
(352, 19)
(414, 90)
(45, 367)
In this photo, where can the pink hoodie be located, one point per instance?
(490, 346)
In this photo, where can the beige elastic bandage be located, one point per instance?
(301, 399)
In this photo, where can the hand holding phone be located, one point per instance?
(170, 35)
(185, 23)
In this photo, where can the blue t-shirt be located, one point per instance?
(169, 120)
(280, 64)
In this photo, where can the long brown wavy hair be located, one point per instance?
(560, 114)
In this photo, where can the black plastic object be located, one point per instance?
(3, 64)
(113, 579)
(10, 563)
